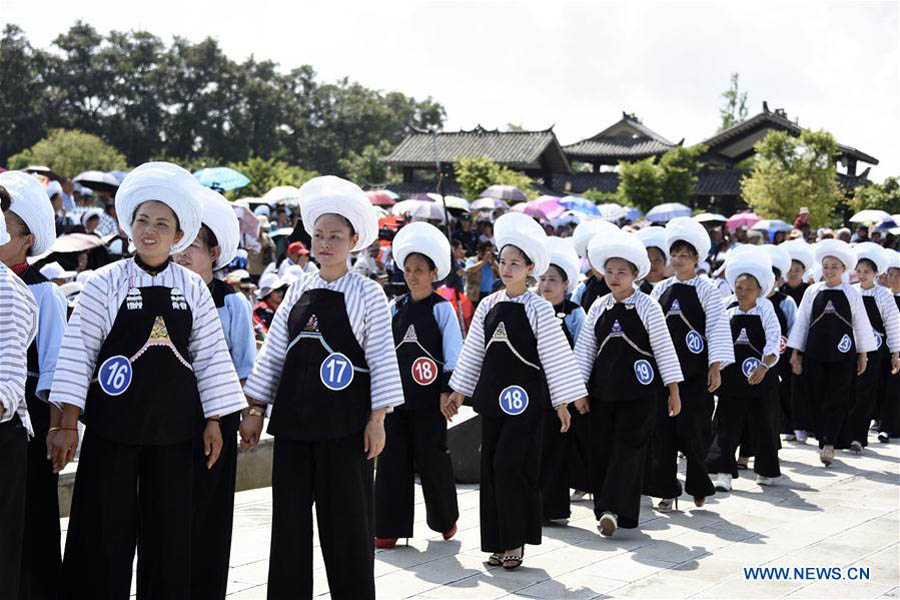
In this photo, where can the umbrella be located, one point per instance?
(710, 218)
(612, 211)
(422, 196)
(43, 170)
(418, 209)
(380, 198)
(281, 232)
(73, 242)
(887, 225)
(394, 195)
(504, 192)
(579, 204)
(489, 204)
(529, 209)
(741, 219)
(119, 175)
(381, 212)
(772, 225)
(224, 178)
(97, 180)
(667, 212)
(632, 214)
(249, 222)
(282, 194)
(870, 216)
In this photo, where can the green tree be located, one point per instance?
(600, 197)
(791, 172)
(367, 168)
(735, 109)
(70, 152)
(265, 174)
(23, 95)
(640, 184)
(880, 196)
(677, 168)
(474, 175)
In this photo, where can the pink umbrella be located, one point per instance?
(544, 207)
(529, 209)
(743, 219)
(380, 198)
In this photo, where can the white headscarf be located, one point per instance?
(586, 230)
(563, 255)
(220, 217)
(750, 260)
(167, 183)
(780, 258)
(688, 230)
(875, 253)
(30, 203)
(523, 232)
(426, 239)
(655, 237)
(330, 194)
(619, 244)
(4, 237)
(839, 249)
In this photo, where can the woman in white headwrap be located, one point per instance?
(141, 366)
(593, 287)
(213, 496)
(803, 262)
(889, 403)
(833, 333)
(655, 241)
(18, 326)
(428, 340)
(565, 455)
(884, 317)
(626, 355)
(515, 352)
(747, 396)
(329, 370)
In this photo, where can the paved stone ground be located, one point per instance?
(845, 515)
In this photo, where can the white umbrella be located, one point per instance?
(457, 203)
(870, 216)
(667, 212)
(771, 225)
(489, 204)
(418, 209)
(710, 218)
(282, 194)
(97, 180)
(612, 211)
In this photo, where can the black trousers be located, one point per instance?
(785, 384)
(831, 396)
(758, 415)
(13, 473)
(621, 432)
(416, 442)
(579, 450)
(510, 498)
(335, 475)
(889, 409)
(555, 451)
(213, 513)
(41, 554)
(123, 492)
(802, 413)
(689, 431)
(866, 390)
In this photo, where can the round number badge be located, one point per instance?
(782, 345)
(749, 365)
(336, 372)
(513, 400)
(845, 344)
(878, 340)
(694, 342)
(114, 376)
(643, 371)
(424, 370)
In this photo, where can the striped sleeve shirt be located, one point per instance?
(98, 306)
(557, 360)
(766, 312)
(18, 326)
(651, 315)
(890, 315)
(862, 329)
(370, 320)
(718, 332)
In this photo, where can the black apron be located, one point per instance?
(749, 337)
(563, 310)
(830, 336)
(686, 321)
(624, 368)
(420, 352)
(878, 329)
(795, 292)
(593, 288)
(143, 390)
(324, 392)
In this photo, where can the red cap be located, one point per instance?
(297, 248)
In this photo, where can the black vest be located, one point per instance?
(218, 289)
(325, 391)
(795, 292)
(830, 336)
(877, 322)
(420, 352)
(593, 288)
(686, 320)
(749, 337)
(563, 310)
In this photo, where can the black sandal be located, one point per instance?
(495, 560)
(513, 562)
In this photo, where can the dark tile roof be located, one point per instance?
(578, 183)
(611, 144)
(514, 149)
(719, 182)
(771, 120)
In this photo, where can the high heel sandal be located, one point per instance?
(665, 505)
(699, 501)
(495, 560)
(827, 455)
(513, 562)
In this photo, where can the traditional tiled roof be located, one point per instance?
(719, 182)
(578, 183)
(627, 139)
(521, 150)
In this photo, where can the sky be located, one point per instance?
(571, 65)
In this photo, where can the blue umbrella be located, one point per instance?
(886, 225)
(771, 225)
(667, 212)
(223, 178)
(119, 175)
(633, 214)
(582, 205)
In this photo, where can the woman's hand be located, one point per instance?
(212, 442)
(64, 444)
(861, 363)
(250, 430)
(562, 411)
(758, 374)
(450, 405)
(796, 363)
(895, 363)
(713, 378)
(373, 436)
(674, 400)
(583, 406)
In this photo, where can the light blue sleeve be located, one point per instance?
(574, 321)
(451, 335)
(52, 307)
(789, 308)
(579, 292)
(239, 334)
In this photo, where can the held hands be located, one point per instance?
(713, 378)
(583, 406)
(450, 404)
(62, 446)
(758, 374)
(895, 363)
(212, 442)
(796, 363)
(562, 411)
(373, 436)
